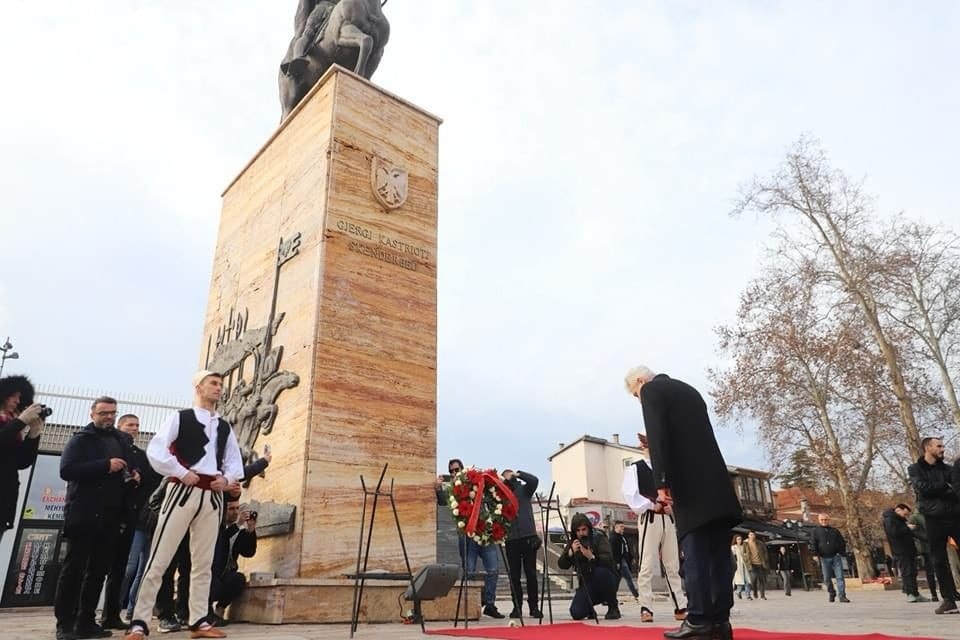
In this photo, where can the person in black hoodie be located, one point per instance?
(933, 482)
(20, 426)
(901, 543)
(523, 541)
(829, 548)
(98, 467)
(588, 552)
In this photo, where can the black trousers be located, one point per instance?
(931, 574)
(89, 557)
(908, 574)
(118, 568)
(601, 588)
(180, 566)
(226, 588)
(708, 574)
(937, 532)
(521, 554)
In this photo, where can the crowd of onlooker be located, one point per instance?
(155, 532)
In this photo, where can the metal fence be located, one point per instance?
(71, 412)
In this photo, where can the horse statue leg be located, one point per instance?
(351, 36)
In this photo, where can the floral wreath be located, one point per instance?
(482, 505)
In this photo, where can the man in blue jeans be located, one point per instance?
(470, 550)
(829, 547)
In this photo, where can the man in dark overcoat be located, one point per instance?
(691, 476)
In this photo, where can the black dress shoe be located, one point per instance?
(113, 623)
(708, 631)
(91, 631)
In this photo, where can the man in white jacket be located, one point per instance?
(658, 536)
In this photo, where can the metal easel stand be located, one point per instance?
(363, 551)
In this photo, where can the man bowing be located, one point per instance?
(691, 477)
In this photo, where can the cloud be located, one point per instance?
(589, 157)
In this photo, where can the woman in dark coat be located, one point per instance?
(20, 425)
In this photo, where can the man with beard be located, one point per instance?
(97, 465)
(930, 477)
(901, 543)
(691, 476)
(588, 552)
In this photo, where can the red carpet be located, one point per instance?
(581, 631)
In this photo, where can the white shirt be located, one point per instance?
(631, 491)
(165, 463)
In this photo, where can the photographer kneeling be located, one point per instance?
(589, 552)
(238, 537)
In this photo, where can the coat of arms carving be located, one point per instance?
(389, 183)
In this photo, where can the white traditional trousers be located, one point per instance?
(184, 509)
(658, 543)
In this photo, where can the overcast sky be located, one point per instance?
(589, 156)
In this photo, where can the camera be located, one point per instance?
(253, 515)
(45, 411)
(127, 475)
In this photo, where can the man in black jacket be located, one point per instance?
(691, 476)
(523, 541)
(97, 465)
(238, 537)
(113, 599)
(932, 481)
(901, 543)
(588, 552)
(829, 548)
(622, 558)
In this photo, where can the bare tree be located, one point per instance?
(826, 219)
(801, 370)
(920, 276)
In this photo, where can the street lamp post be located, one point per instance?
(7, 353)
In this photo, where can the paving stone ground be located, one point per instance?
(870, 611)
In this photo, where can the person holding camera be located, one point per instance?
(116, 594)
(589, 553)
(238, 537)
(98, 467)
(20, 424)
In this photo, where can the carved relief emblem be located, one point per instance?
(389, 184)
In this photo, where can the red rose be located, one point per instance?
(460, 491)
(509, 511)
(498, 531)
(465, 507)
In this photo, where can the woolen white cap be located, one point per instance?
(200, 375)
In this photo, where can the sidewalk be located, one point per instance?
(871, 611)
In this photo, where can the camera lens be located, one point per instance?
(45, 411)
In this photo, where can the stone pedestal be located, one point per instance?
(322, 313)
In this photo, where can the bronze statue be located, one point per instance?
(351, 33)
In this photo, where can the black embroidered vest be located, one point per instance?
(192, 438)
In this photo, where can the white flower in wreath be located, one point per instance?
(456, 512)
(499, 509)
(473, 494)
(458, 482)
(461, 524)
